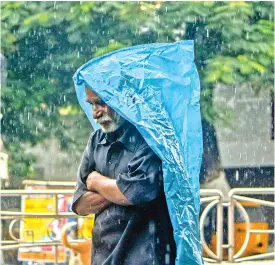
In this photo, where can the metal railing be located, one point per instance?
(17, 243)
(213, 198)
(210, 198)
(236, 195)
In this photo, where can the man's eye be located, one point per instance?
(100, 103)
(97, 102)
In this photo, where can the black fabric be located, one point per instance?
(128, 235)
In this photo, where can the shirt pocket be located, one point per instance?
(123, 162)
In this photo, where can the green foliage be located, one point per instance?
(20, 163)
(111, 47)
(234, 43)
(45, 42)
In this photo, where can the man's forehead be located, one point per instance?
(90, 93)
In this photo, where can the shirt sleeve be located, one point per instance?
(143, 182)
(86, 166)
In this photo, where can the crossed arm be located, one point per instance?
(101, 192)
(139, 186)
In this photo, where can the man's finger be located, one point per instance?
(95, 198)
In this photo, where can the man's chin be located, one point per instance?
(111, 126)
(108, 128)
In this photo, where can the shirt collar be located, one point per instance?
(126, 134)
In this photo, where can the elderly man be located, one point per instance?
(120, 180)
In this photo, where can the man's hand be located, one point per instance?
(92, 180)
(90, 202)
(107, 187)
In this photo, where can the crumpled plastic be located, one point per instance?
(156, 87)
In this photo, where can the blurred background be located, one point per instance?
(43, 129)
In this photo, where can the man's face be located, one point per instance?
(106, 117)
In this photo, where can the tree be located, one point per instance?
(234, 44)
(45, 42)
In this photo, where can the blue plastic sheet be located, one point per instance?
(156, 87)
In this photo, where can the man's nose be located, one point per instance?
(97, 111)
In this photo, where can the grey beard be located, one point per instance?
(115, 123)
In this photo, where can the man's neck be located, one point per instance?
(113, 136)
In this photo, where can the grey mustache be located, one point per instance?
(103, 119)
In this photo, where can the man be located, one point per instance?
(120, 180)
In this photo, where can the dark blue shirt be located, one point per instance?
(140, 234)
